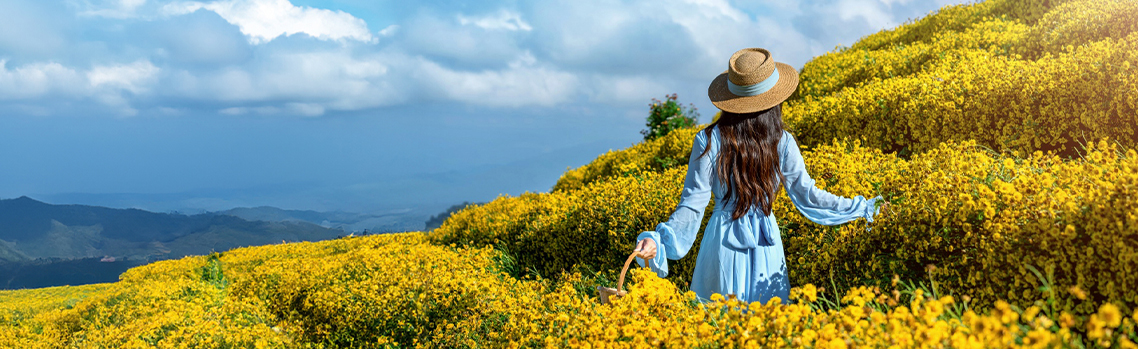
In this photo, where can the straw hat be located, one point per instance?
(753, 82)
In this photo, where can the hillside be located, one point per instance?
(1013, 75)
(39, 238)
(1000, 131)
(24, 219)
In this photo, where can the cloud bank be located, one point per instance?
(275, 57)
(265, 20)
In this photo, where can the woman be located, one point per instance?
(743, 158)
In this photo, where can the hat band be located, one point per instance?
(752, 90)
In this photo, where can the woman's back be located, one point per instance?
(743, 256)
(742, 159)
(718, 186)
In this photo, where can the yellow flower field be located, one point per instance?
(1002, 132)
(982, 218)
(980, 73)
(399, 290)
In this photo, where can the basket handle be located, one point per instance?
(620, 281)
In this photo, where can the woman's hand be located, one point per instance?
(646, 249)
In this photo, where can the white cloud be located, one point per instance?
(109, 82)
(720, 30)
(134, 77)
(574, 30)
(871, 11)
(627, 89)
(315, 83)
(38, 80)
(443, 39)
(296, 109)
(523, 83)
(306, 109)
(103, 84)
(306, 83)
(131, 4)
(264, 20)
(501, 20)
(718, 8)
(389, 31)
(118, 9)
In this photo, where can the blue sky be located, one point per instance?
(362, 105)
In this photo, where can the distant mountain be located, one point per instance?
(38, 236)
(9, 253)
(25, 219)
(394, 221)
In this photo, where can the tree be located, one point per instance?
(667, 115)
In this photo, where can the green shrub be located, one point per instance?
(668, 115)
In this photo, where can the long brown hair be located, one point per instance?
(748, 158)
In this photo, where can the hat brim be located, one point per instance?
(723, 99)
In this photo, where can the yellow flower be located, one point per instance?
(1125, 343)
(807, 293)
(1077, 292)
(810, 292)
(1110, 315)
(836, 343)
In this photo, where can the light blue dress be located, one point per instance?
(743, 257)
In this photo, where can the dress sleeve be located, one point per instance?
(674, 238)
(816, 204)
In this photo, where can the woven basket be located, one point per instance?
(609, 294)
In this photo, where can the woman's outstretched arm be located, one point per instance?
(818, 205)
(673, 239)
